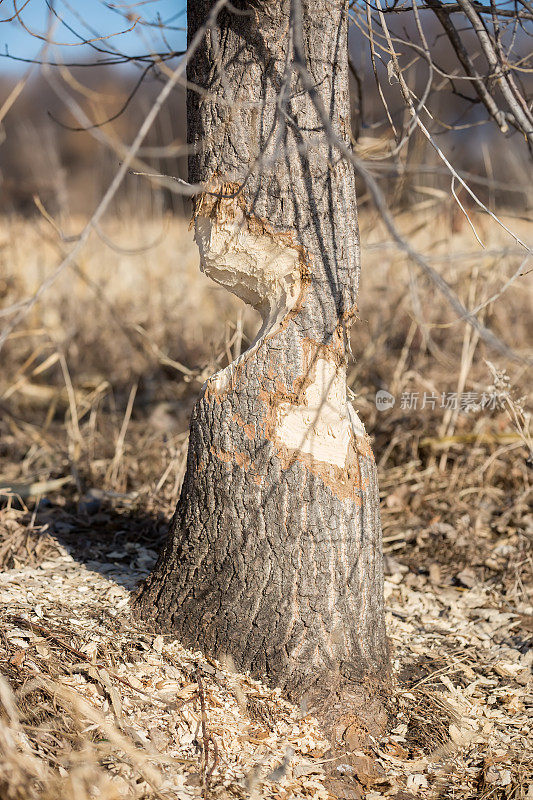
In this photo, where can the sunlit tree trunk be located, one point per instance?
(274, 553)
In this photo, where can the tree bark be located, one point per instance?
(274, 552)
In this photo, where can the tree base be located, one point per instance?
(353, 719)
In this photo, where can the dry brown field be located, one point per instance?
(97, 383)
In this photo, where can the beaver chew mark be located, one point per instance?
(325, 423)
(257, 267)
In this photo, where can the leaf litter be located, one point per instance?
(94, 705)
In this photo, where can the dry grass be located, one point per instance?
(96, 388)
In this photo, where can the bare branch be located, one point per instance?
(117, 180)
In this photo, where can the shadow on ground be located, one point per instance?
(108, 533)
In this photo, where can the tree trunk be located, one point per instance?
(274, 552)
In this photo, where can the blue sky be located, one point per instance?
(104, 18)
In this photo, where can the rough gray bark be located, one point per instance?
(274, 552)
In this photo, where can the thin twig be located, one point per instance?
(117, 180)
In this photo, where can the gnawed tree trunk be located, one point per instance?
(274, 552)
